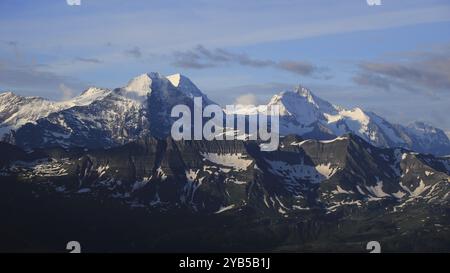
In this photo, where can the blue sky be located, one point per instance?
(393, 59)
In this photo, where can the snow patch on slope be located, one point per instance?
(235, 161)
(292, 173)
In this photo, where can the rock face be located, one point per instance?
(211, 175)
(315, 185)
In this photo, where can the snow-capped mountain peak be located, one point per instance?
(16, 111)
(302, 112)
(93, 92)
(185, 85)
(303, 105)
(88, 96)
(7, 94)
(140, 86)
(175, 79)
(427, 139)
(304, 92)
(421, 126)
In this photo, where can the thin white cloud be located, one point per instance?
(161, 32)
(29, 79)
(67, 92)
(382, 20)
(247, 99)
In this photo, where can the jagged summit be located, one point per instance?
(185, 85)
(175, 79)
(12, 95)
(88, 96)
(91, 91)
(302, 104)
(7, 93)
(141, 85)
(422, 126)
(302, 91)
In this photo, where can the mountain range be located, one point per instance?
(103, 168)
(303, 113)
(106, 118)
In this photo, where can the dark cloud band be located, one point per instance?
(422, 72)
(201, 57)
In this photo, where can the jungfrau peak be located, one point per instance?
(303, 113)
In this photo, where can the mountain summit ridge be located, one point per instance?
(143, 106)
(304, 113)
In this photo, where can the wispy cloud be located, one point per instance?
(15, 47)
(30, 79)
(247, 99)
(257, 23)
(427, 72)
(301, 68)
(247, 94)
(200, 57)
(67, 92)
(88, 60)
(134, 52)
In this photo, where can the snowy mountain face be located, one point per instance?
(427, 139)
(16, 111)
(115, 117)
(303, 113)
